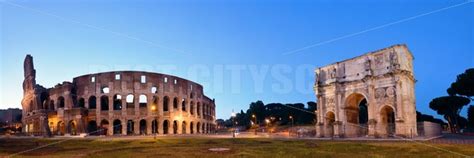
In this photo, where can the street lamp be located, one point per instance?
(292, 120)
(233, 123)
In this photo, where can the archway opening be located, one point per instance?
(191, 128)
(387, 121)
(92, 102)
(183, 129)
(357, 115)
(165, 103)
(142, 126)
(92, 128)
(61, 128)
(104, 126)
(117, 127)
(117, 102)
(104, 103)
(72, 130)
(130, 127)
(330, 119)
(165, 127)
(175, 127)
(81, 103)
(154, 127)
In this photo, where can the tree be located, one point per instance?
(470, 116)
(464, 85)
(449, 107)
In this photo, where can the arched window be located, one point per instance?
(117, 102)
(92, 102)
(130, 101)
(165, 103)
(154, 90)
(192, 108)
(61, 102)
(175, 103)
(183, 105)
(143, 101)
(199, 109)
(104, 103)
(105, 90)
(81, 103)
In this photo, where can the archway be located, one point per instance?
(92, 127)
(154, 126)
(198, 127)
(117, 127)
(183, 127)
(387, 121)
(104, 126)
(165, 127)
(81, 103)
(357, 115)
(104, 103)
(175, 127)
(191, 128)
(92, 102)
(130, 127)
(165, 103)
(143, 127)
(330, 119)
(71, 128)
(61, 128)
(117, 102)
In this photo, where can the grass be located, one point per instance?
(198, 147)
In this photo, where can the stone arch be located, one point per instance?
(143, 101)
(143, 126)
(191, 127)
(386, 122)
(104, 127)
(92, 102)
(165, 126)
(175, 103)
(104, 103)
(92, 127)
(130, 127)
(117, 126)
(183, 127)
(356, 114)
(330, 119)
(72, 127)
(166, 103)
(199, 109)
(130, 101)
(117, 102)
(61, 129)
(61, 103)
(183, 104)
(81, 103)
(191, 109)
(175, 127)
(198, 127)
(154, 126)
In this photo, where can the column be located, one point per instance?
(124, 126)
(136, 127)
(148, 126)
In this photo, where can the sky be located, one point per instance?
(241, 51)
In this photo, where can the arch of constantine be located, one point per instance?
(369, 95)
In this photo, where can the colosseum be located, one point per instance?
(116, 103)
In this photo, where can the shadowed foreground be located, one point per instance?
(242, 147)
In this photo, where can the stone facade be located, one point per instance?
(369, 95)
(116, 103)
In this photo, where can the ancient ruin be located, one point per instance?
(116, 103)
(369, 95)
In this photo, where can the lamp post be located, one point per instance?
(256, 124)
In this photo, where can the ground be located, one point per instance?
(239, 147)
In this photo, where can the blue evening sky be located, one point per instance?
(68, 39)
